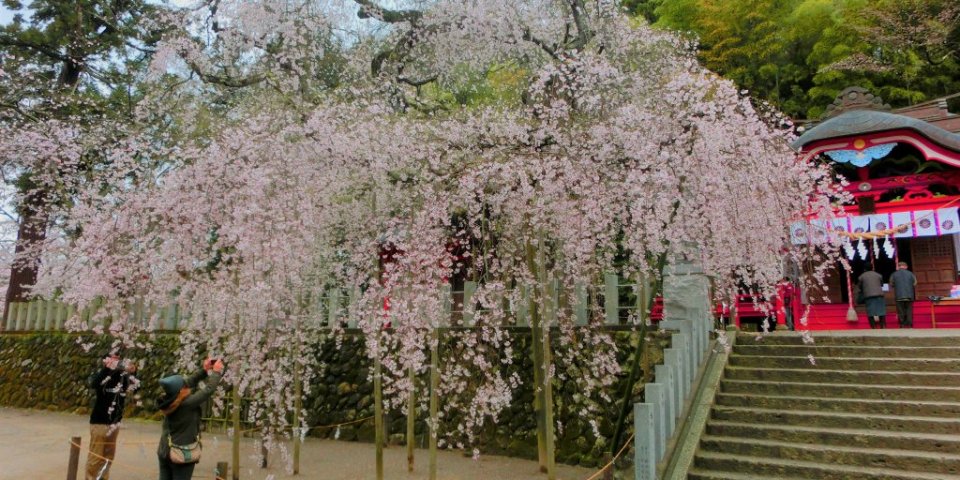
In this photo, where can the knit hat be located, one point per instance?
(171, 386)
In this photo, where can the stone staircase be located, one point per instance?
(877, 406)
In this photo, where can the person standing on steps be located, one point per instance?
(871, 287)
(904, 284)
(111, 383)
(182, 409)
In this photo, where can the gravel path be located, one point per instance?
(35, 445)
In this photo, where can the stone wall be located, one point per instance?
(48, 371)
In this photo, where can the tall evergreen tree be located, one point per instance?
(67, 66)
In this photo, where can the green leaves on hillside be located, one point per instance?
(798, 54)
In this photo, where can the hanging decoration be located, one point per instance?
(862, 249)
(852, 316)
(888, 247)
(848, 248)
(876, 247)
(924, 223)
(861, 158)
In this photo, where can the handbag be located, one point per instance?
(185, 454)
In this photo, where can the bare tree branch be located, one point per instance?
(584, 34)
(44, 49)
(551, 50)
(224, 80)
(369, 9)
(417, 83)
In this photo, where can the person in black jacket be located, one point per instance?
(111, 383)
(182, 407)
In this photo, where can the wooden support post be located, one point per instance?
(22, 316)
(74, 462)
(235, 414)
(263, 452)
(611, 299)
(221, 472)
(31, 314)
(11, 320)
(378, 413)
(175, 324)
(297, 406)
(434, 400)
(549, 317)
(538, 404)
(333, 307)
(648, 292)
(469, 289)
(49, 315)
(411, 418)
(65, 313)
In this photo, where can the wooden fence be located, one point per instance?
(615, 299)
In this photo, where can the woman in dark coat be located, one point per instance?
(182, 409)
(871, 287)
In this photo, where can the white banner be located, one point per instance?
(925, 223)
(921, 223)
(949, 221)
(904, 218)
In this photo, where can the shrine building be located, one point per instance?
(903, 169)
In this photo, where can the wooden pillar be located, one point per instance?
(12, 312)
(264, 453)
(221, 472)
(434, 400)
(74, 462)
(411, 418)
(236, 432)
(538, 405)
(378, 412)
(547, 386)
(297, 406)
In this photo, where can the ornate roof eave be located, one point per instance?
(835, 134)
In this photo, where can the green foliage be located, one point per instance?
(799, 54)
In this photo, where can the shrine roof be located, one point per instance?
(860, 122)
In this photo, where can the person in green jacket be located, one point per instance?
(182, 407)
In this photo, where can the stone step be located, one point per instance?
(914, 461)
(847, 437)
(842, 390)
(893, 423)
(946, 339)
(779, 468)
(809, 375)
(841, 363)
(698, 474)
(867, 406)
(847, 351)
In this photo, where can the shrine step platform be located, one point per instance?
(853, 405)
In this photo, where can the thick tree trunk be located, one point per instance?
(34, 213)
(26, 265)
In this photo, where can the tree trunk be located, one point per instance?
(33, 211)
(31, 232)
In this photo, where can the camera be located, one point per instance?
(125, 364)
